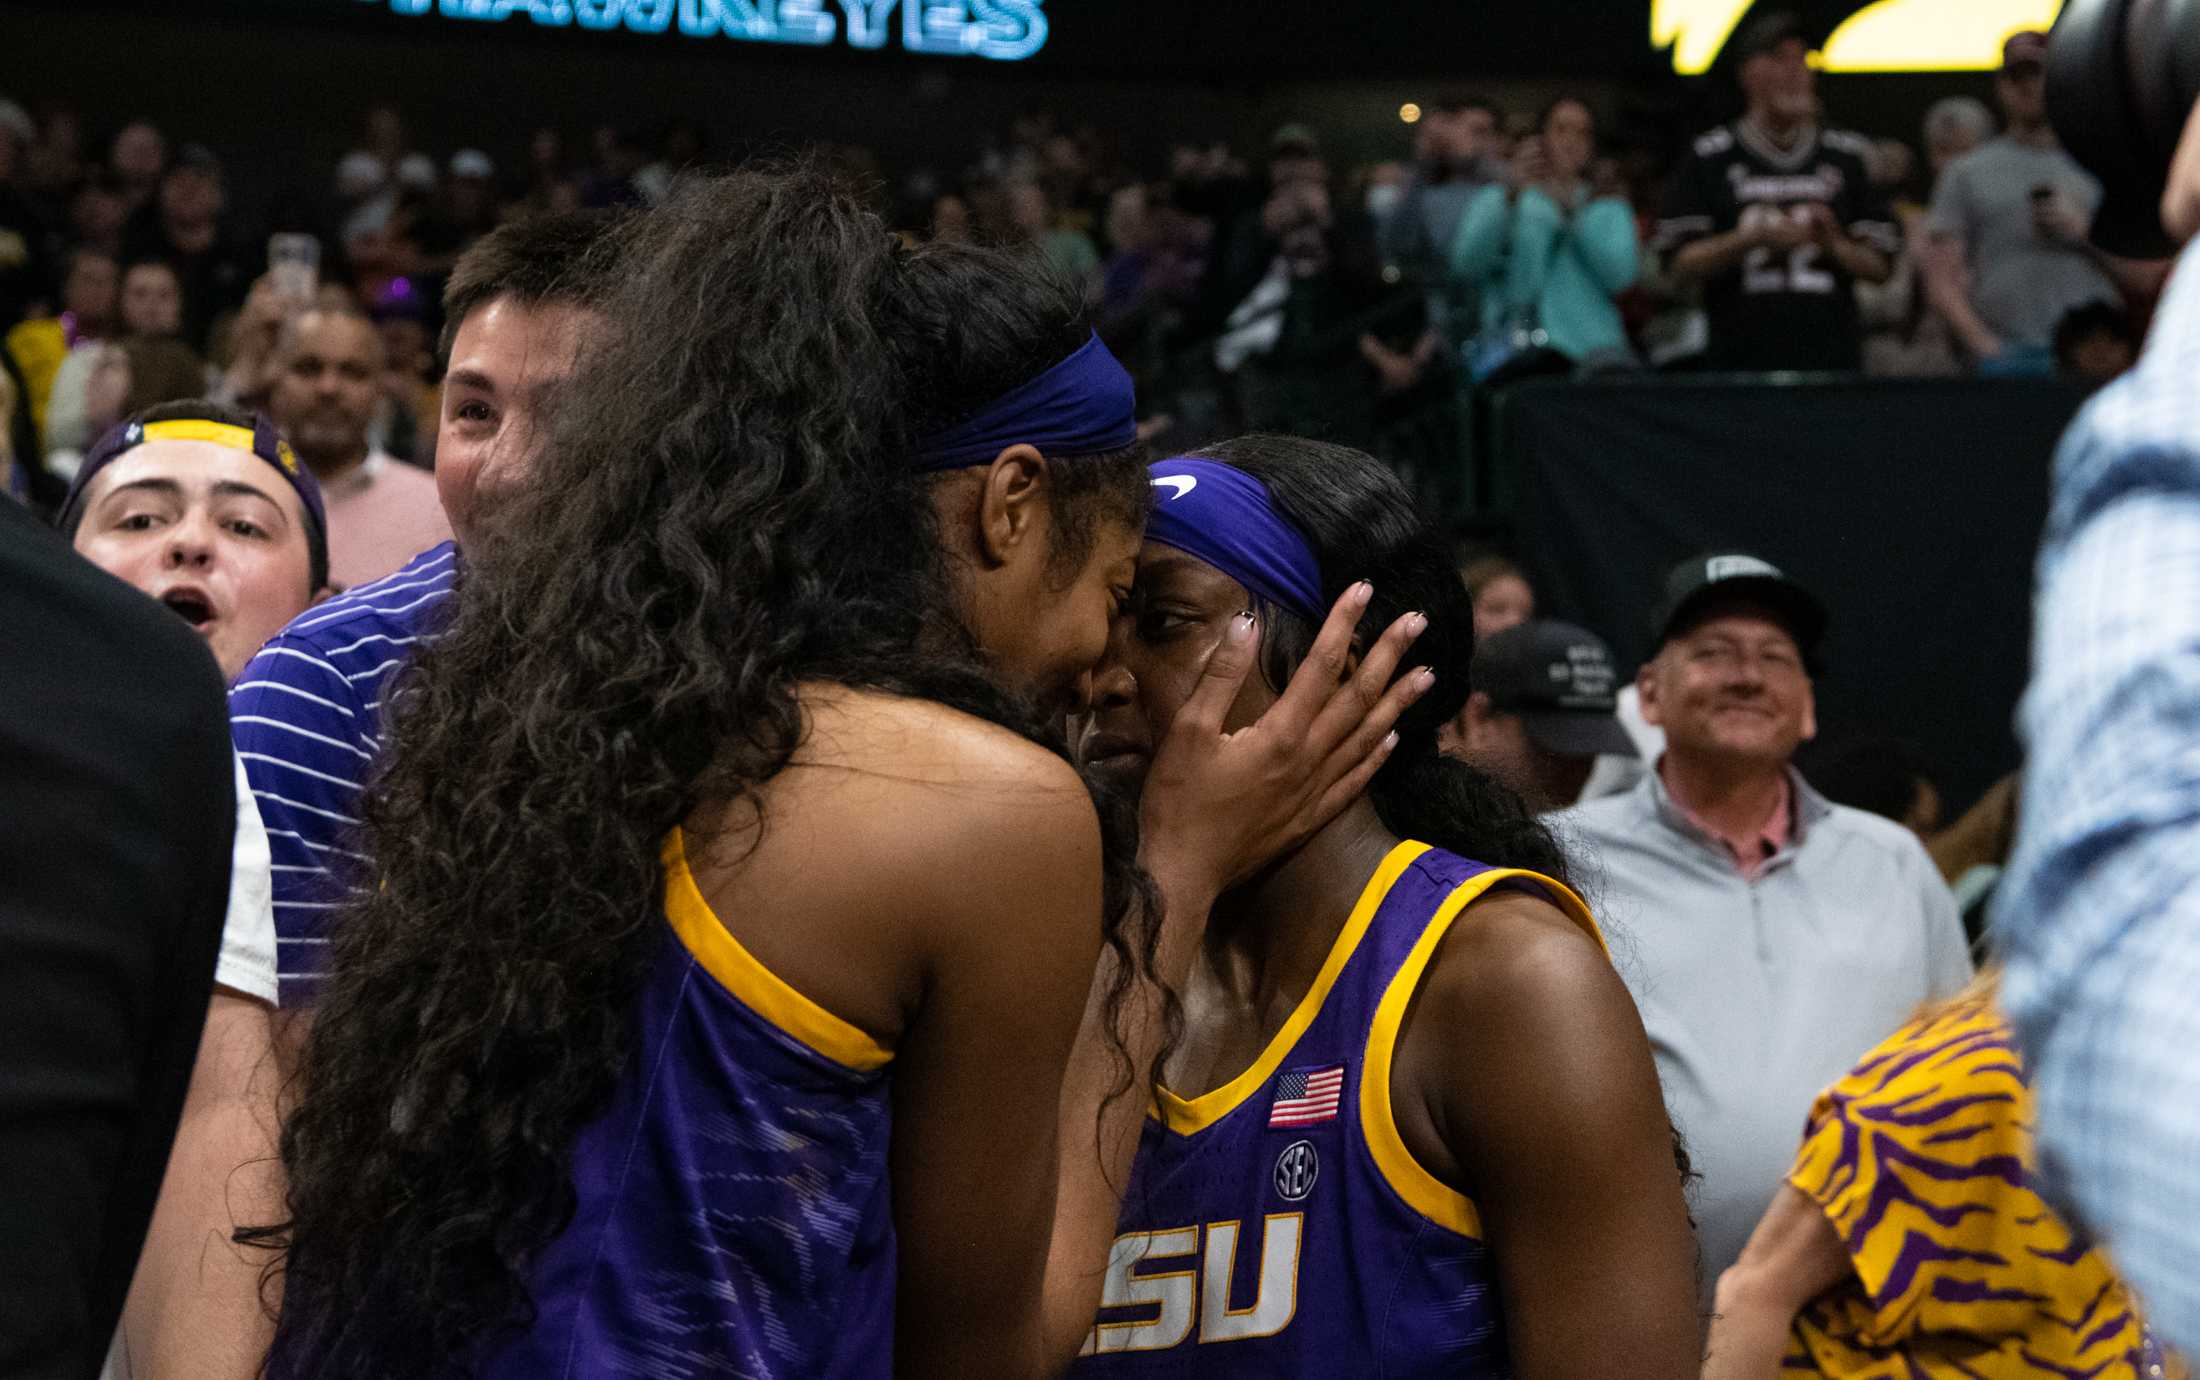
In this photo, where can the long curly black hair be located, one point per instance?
(723, 511)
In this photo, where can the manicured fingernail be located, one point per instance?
(1424, 678)
(1416, 624)
(1243, 624)
(1390, 740)
(1361, 593)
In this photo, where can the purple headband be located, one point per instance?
(263, 440)
(1225, 517)
(1081, 406)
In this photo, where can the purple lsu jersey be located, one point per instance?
(1278, 1225)
(733, 1214)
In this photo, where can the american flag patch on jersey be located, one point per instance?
(1305, 1096)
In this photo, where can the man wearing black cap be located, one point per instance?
(1777, 218)
(1773, 935)
(2009, 225)
(1541, 712)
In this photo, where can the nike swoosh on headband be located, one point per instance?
(1232, 524)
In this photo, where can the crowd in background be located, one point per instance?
(1275, 291)
(1280, 294)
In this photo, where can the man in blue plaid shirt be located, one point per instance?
(2099, 914)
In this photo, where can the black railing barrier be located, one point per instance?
(1913, 508)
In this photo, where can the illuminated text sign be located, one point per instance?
(1006, 30)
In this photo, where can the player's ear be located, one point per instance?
(1013, 504)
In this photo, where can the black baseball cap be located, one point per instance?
(1694, 584)
(1561, 682)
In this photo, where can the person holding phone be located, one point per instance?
(289, 286)
(2008, 255)
(1545, 251)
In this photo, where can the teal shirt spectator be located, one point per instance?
(1071, 254)
(1527, 253)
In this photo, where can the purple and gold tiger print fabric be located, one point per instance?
(1922, 1159)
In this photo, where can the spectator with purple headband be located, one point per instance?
(208, 510)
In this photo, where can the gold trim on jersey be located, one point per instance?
(1188, 1115)
(1424, 1192)
(754, 985)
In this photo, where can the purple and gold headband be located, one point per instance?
(260, 439)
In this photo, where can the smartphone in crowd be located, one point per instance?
(294, 266)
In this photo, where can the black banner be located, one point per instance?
(1912, 508)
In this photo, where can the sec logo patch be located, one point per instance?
(1296, 1170)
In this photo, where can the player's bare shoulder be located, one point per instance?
(1513, 954)
(921, 746)
(940, 801)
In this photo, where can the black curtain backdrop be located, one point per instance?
(1913, 509)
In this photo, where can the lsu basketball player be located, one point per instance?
(1413, 1127)
(734, 911)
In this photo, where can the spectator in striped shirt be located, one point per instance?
(305, 712)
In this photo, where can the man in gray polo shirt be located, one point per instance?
(1769, 936)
